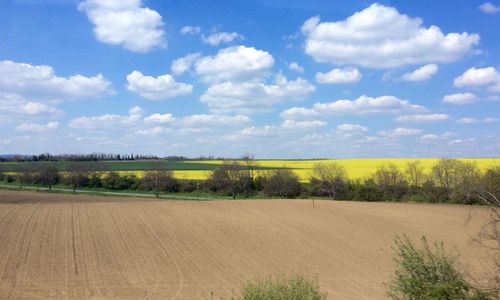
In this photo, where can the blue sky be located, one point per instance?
(281, 79)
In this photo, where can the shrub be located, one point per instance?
(428, 273)
(280, 288)
(2, 176)
(282, 183)
(114, 181)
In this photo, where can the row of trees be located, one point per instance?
(450, 181)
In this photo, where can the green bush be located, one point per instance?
(428, 273)
(281, 288)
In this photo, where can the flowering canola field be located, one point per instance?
(355, 168)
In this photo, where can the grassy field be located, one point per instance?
(55, 246)
(200, 170)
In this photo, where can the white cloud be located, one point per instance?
(159, 118)
(264, 131)
(234, 63)
(401, 132)
(156, 88)
(302, 125)
(490, 120)
(473, 77)
(136, 110)
(107, 121)
(217, 38)
(194, 30)
(206, 119)
(489, 8)
(339, 76)
(253, 96)
(183, 64)
(299, 113)
(381, 37)
(351, 128)
(13, 105)
(429, 137)
(360, 106)
(467, 121)
(125, 23)
(422, 73)
(154, 131)
(32, 127)
(422, 118)
(367, 105)
(294, 66)
(40, 82)
(460, 98)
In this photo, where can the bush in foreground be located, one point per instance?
(428, 273)
(281, 288)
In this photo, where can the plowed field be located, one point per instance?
(66, 246)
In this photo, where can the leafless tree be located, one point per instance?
(446, 173)
(331, 177)
(24, 173)
(160, 178)
(78, 174)
(231, 176)
(251, 164)
(282, 183)
(415, 173)
(47, 174)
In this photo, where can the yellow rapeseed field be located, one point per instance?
(356, 168)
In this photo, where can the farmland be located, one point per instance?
(74, 246)
(200, 169)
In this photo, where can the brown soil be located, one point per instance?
(65, 246)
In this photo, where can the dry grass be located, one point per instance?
(66, 246)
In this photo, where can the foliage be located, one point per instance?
(428, 272)
(281, 288)
(282, 183)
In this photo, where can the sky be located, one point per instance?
(279, 79)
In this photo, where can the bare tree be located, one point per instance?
(415, 173)
(282, 183)
(251, 164)
(159, 178)
(24, 173)
(78, 174)
(231, 176)
(47, 174)
(331, 177)
(390, 181)
(446, 173)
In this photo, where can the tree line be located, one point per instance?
(449, 181)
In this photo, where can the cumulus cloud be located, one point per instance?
(183, 64)
(466, 121)
(159, 118)
(14, 105)
(302, 125)
(488, 77)
(381, 37)
(154, 131)
(401, 132)
(234, 63)
(360, 106)
(37, 128)
(217, 38)
(156, 88)
(252, 96)
(346, 127)
(294, 66)
(108, 120)
(422, 73)
(194, 30)
(423, 118)
(125, 23)
(460, 98)
(41, 82)
(489, 8)
(490, 120)
(206, 119)
(339, 76)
